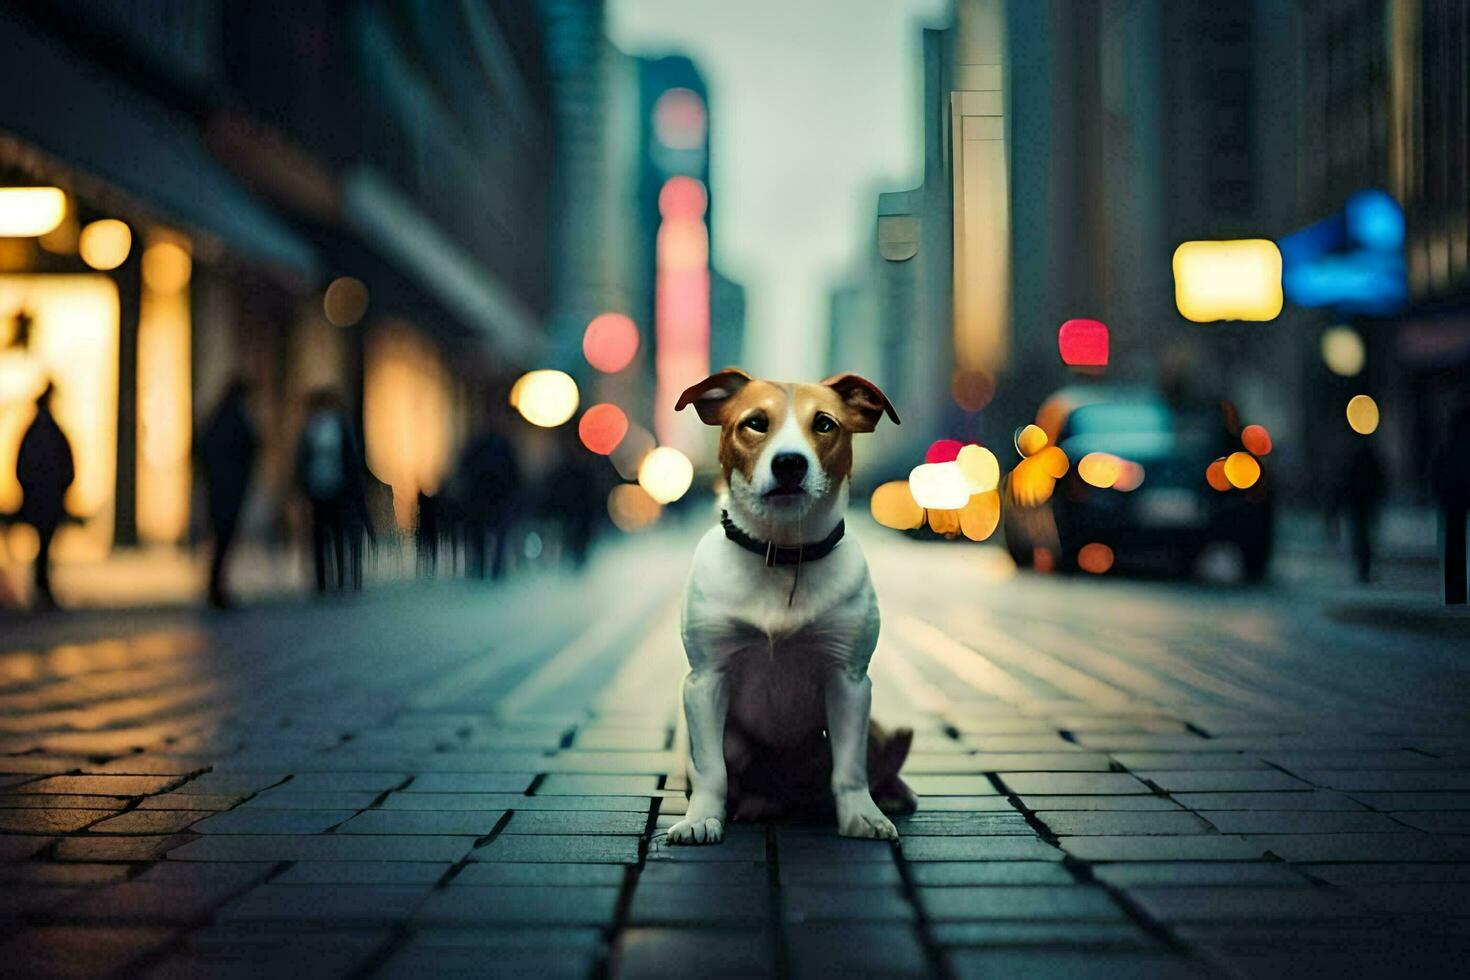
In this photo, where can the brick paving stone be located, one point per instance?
(55, 801)
(570, 848)
(661, 952)
(1402, 872)
(1346, 958)
(854, 873)
(866, 949)
(362, 873)
(611, 763)
(336, 782)
(62, 875)
(92, 785)
(245, 821)
(1095, 822)
(963, 824)
(34, 901)
(326, 903)
(832, 903)
(231, 783)
(1123, 875)
(1417, 898)
(1072, 784)
(1436, 821)
(547, 959)
(1394, 802)
(42, 765)
(824, 846)
(469, 782)
(322, 847)
(710, 904)
(1021, 743)
(1221, 780)
(150, 822)
(1411, 846)
(1075, 965)
(511, 801)
(929, 786)
(285, 799)
(1033, 762)
(1310, 800)
(561, 784)
(1388, 780)
(147, 903)
(102, 848)
(472, 823)
(1300, 822)
(48, 821)
(737, 846)
(1192, 847)
(259, 949)
(1390, 759)
(946, 873)
(525, 905)
(1018, 902)
(1066, 934)
(971, 804)
(576, 822)
(1188, 760)
(219, 874)
(190, 801)
(544, 874)
(697, 874)
(18, 847)
(78, 951)
(978, 849)
(1114, 801)
(1219, 902)
(631, 739)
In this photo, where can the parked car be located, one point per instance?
(1170, 517)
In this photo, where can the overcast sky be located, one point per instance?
(813, 109)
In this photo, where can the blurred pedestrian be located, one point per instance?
(329, 473)
(44, 469)
(487, 487)
(1363, 490)
(429, 533)
(574, 499)
(227, 450)
(1452, 487)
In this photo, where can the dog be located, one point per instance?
(780, 619)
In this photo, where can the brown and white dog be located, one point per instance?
(780, 619)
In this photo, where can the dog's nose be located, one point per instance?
(788, 468)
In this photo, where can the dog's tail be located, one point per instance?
(887, 752)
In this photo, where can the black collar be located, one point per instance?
(780, 554)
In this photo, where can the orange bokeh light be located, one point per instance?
(1242, 470)
(610, 342)
(1095, 558)
(1215, 475)
(682, 198)
(1256, 440)
(602, 427)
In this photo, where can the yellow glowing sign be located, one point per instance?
(666, 474)
(29, 212)
(1234, 280)
(1362, 415)
(105, 244)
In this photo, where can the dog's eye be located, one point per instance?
(756, 423)
(824, 423)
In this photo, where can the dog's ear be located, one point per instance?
(866, 404)
(710, 395)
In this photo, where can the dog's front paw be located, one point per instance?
(695, 829)
(859, 816)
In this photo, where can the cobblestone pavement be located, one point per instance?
(1118, 778)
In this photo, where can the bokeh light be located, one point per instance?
(29, 212)
(980, 516)
(602, 427)
(981, 468)
(1131, 477)
(944, 521)
(1362, 415)
(610, 342)
(105, 244)
(893, 505)
(1101, 470)
(1232, 280)
(546, 398)
(939, 486)
(1083, 343)
(666, 474)
(1241, 470)
(682, 198)
(1031, 484)
(166, 267)
(628, 456)
(1030, 440)
(1256, 440)
(1343, 351)
(1215, 475)
(631, 508)
(1096, 558)
(345, 301)
(679, 119)
(972, 390)
(1053, 462)
(943, 451)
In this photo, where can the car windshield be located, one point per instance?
(1136, 429)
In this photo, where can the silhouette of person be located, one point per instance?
(1363, 490)
(487, 486)
(44, 469)
(574, 498)
(227, 450)
(1452, 486)
(328, 472)
(428, 536)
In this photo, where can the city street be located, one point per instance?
(1117, 778)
